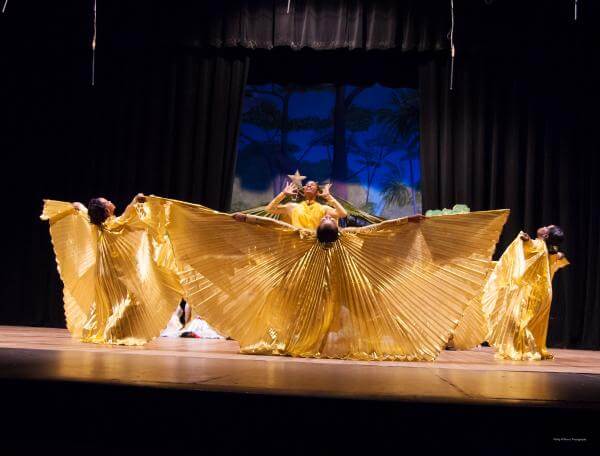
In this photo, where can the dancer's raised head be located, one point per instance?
(553, 235)
(311, 190)
(99, 209)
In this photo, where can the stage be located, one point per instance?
(210, 383)
(571, 379)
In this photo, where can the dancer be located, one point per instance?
(119, 273)
(309, 212)
(517, 297)
(183, 324)
(389, 291)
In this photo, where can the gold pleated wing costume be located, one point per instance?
(517, 298)
(391, 291)
(472, 328)
(120, 281)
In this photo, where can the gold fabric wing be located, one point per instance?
(394, 290)
(74, 243)
(517, 299)
(233, 271)
(472, 328)
(120, 281)
(412, 282)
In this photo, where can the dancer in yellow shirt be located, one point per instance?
(309, 212)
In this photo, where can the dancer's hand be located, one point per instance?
(240, 217)
(290, 189)
(325, 192)
(560, 255)
(525, 237)
(139, 198)
(78, 206)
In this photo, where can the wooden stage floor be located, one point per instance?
(572, 379)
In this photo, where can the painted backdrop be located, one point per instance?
(365, 140)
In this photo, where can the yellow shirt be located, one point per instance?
(308, 216)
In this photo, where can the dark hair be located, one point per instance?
(97, 211)
(555, 237)
(327, 232)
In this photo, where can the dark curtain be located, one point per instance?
(171, 122)
(358, 67)
(518, 132)
(162, 122)
(413, 25)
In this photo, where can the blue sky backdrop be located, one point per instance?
(285, 128)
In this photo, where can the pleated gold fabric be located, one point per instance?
(517, 298)
(120, 281)
(472, 328)
(391, 291)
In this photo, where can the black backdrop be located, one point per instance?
(519, 131)
(516, 132)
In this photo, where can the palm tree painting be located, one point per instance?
(365, 140)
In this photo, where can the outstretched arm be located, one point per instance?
(415, 218)
(274, 207)
(264, 221)
(386, 224)
(130, 209)
(134, 214)
(337, 210)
